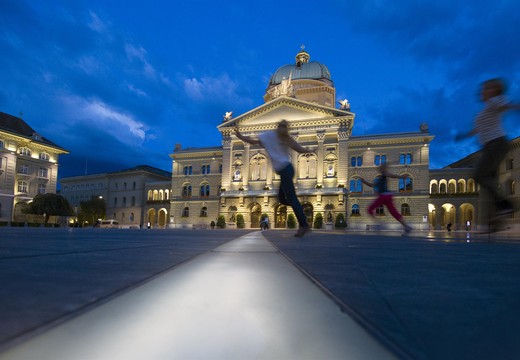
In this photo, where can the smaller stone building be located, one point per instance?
(28, 166)
(125, 193)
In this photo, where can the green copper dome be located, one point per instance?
(302, 69)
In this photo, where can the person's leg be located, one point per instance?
(287, 187)
(487, 169)
(375, 204)
(389, 203)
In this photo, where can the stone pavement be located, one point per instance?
(428, 296)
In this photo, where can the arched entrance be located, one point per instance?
(448, 216)
(151, 217)
(256, 213)
(431, 216)
(162, 217)
(280, 217)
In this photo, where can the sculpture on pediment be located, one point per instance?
(228, 115)
(344, 104)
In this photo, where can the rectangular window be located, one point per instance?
(22, 186)
(41, 188)
(43, 173)
(509, 164)
(405, 159)
(356, 161)
(379, 159)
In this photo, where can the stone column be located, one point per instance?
(343, 136)
(245, 166)
(320, 163)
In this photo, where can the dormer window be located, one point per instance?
(24, 151)
(44, 156)
(36, 136)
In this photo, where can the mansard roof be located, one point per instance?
(16, 126)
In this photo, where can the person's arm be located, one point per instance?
(395, 176)
(462, 136)
(247, 139)
(367, 183)
(293, 144)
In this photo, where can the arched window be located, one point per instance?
(258, 167)
(356, 186)
(307, 166)
(405, 184)
(24, 151)
(155, 195)
(443, 188)
(150, 195)
(186, 190)
(405, 209)
(204, 212)
(186, 212)
(471, 185)
(461, 188)
(204, 190)
(355, 210)
(161, 195)
(44, 156)
(451, 188)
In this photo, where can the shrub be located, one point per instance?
(221, 222)
(240, 221)
(318, 221)
(340, 221)
(291, 221)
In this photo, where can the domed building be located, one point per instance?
(310, 81)
(236, 180)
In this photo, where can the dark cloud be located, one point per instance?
(86, 73)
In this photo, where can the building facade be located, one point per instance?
(28, 166)
(125, 193)
(237, 178)
(326, 181)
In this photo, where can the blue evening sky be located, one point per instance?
(119, 82)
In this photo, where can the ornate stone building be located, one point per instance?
(28, 166)
(237, 178)
(133, 196)
(455, 197)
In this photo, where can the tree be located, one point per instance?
(92, 210)
(291, 221)
(49, 204)
(240, 221)
(340, 221)
(318, 221)
(221, 222)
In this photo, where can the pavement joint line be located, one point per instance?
(391, 345)
(27, 334)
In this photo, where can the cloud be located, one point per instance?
(99, 115)
(211, 88)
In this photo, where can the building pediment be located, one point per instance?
(293, 110)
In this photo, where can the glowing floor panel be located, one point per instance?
(243, 300)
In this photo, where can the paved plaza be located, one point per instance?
(242, 294)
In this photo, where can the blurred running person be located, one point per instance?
(277, 144)
(488, 126)
(385, 197)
